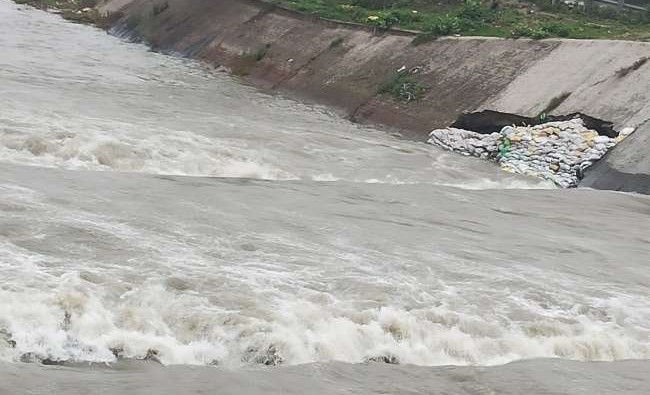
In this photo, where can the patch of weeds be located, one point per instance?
(376, 4)
(445, 26)
(383, 21)
(407, 17)
(259, 54)
(89, 17)
(78, 11)
(534, 32)
(544, 30)
(470, 18)
(484, 17)
(403, 87)
(499, 18)
(557, 29)
(473, 15)
(248, 60)
(336, 42)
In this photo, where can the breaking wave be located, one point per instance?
(171, 152)
(76, 322)
(186, 153)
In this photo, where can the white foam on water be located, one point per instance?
(186, 329)
(70, 294)
(115, 146)
(118, 147)
(508, 183)
(66, 309)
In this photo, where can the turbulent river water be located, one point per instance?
(151, 209)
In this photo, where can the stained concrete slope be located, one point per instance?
(336, 64)
(609, 80)
(605, 79)
(626, 167)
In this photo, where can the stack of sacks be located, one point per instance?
(557, 151)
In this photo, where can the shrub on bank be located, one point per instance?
(541, 31)
(534, 32)
(403, 86)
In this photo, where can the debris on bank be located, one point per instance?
(558, 151)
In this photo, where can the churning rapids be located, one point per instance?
(152, 209)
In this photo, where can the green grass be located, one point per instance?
(259, 54)
(336, 42)
(403, 86)
(536, 19)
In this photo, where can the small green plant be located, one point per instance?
(257, 55)
(376, 4)
(557, 29)
(473, 15)
(550, 5)
(470, 17)
(407, 17)
(545, 30)
(261, 53)
(383, 21)
(336, 42)
(446, 25)
(534, 32)
(403, 86)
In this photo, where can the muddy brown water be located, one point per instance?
(252, 244)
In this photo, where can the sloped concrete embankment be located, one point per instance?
(343, 66)
(626, 167)
(335, 64)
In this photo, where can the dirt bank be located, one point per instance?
(344, 66)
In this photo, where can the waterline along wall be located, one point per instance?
(345, 66)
